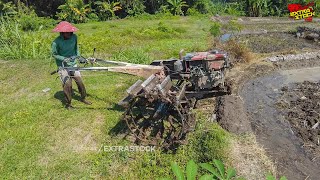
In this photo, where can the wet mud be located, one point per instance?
(277, 42)
(271, 126)
(300, 105)
(231, 114)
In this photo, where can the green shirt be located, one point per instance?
(65, 48)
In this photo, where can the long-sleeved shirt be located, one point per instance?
(65, 48)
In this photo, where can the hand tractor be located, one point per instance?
(158, 110)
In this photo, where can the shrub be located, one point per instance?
(176, 6)
(235, 9)
(215, 29)
(232, 26)
(7, 9)
(239, 51)
(193, 12)
(15, 44)
(218, 171)
(25, 17)
(133, 7)
(203, 6)
(93, 17)
(133, 55)
(75, 11)
(106, 10)
(32, 22)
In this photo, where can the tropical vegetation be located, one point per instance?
(80, 11)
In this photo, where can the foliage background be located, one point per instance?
(79, 11)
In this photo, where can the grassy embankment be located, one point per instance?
(39, 138)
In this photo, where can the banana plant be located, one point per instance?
(106, 10)
(7, 8)
(75, 11)
(176, 6)
(258, 7)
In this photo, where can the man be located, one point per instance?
(65, 50)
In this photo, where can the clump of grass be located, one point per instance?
(209, 143)
(215, 29)
(249, 158)
(239, 52)
(15, 44)
(133, 55)
(232, 26)
(160, 31)
(203, 146)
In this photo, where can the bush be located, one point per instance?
(32, 22)
(25, 17)
(240, 52)
(193, 12)
(203, 6)
(234, 9)
(134, 55)
(232, 26)
(7, 9)
(93, 17)
(134, 7)
(106, 10)
(215, 29)
(15, 44)
(210, 145)
(75, 11)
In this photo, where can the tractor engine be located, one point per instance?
(205, 70)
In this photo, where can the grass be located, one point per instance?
(40, 139)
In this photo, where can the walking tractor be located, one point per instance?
(158, 111)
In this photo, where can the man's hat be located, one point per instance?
(65, 26)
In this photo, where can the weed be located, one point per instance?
(191, 171)
(133, 55)
(215, 170)
(239, 52)
(15, 44)
(215, 29)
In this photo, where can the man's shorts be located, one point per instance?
(65, 75)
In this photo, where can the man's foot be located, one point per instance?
(86, 102)
(69, 107)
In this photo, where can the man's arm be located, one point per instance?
(77, 46)
(55, 52)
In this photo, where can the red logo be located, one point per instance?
(297, 11)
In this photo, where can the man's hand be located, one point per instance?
(65, 60)
(73, 58)
(82, 60)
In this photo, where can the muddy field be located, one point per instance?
(300, 105)
(231, 114)
(277, 99)
(270, 125)
(275, 42)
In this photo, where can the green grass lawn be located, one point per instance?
(41, 139)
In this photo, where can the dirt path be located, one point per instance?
(272, 130)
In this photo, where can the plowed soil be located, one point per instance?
(300, 104)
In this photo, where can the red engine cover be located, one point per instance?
(207, 56)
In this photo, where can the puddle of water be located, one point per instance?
(300, 75)
(225, 37)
